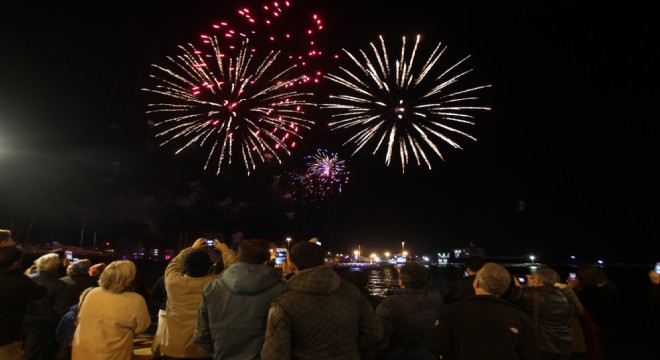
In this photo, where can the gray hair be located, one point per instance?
(118, 276)
(494, 278)
(48, 262)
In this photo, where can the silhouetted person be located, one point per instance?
(77, 280)
(462, 288)
(408, 315)
(550, 310)
(600, 298)
(484, 326)
(16, 290)
(43, 314)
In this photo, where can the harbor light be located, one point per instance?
(532, 257)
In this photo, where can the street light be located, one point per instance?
(288, 241)
(532, 257)
(403, 247)
(387, 254)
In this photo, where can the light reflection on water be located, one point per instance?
(384, 278)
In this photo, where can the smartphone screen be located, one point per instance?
(657, 267)
(209, 242)
(572, 276)
(522, 280)
(280, 256)
(69, 254)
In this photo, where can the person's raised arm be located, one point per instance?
(228, 255)
(176, 268)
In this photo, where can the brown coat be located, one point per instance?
(184, 294)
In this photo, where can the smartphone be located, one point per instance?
(522, 280)
(280, 256)
(68, 254)
(210, 242)
(572, 276)
(657, 268)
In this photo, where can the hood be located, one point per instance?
(249, 279)
(317, 280)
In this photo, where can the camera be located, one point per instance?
(69, 254)
(210, 242)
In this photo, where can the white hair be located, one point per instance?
(48, 262)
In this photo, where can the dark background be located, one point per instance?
(564, 163)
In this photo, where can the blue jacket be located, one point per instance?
(234, 310)
(67, 327)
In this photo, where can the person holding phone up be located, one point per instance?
(550, 311)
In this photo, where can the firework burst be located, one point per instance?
(401, 107)
(324, 179)
(326, 165)
(228, 105)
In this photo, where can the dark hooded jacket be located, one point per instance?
(234, 309)
(320, 317)
(408, 316)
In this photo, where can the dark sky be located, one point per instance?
(565, 162)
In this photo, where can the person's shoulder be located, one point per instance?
(132, 297)
(349, 289)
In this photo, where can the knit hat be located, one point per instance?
(96, 270)
(79, 267)
(197, 263)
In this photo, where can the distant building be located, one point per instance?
(457, 255)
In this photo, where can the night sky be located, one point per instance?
(565, 162)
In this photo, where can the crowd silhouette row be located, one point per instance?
(243, 307)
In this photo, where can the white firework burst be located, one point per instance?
(401, 107)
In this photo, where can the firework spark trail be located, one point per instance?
(403, 107)
(232, 103)
(273, 23)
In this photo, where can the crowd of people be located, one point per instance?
(242, 307)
